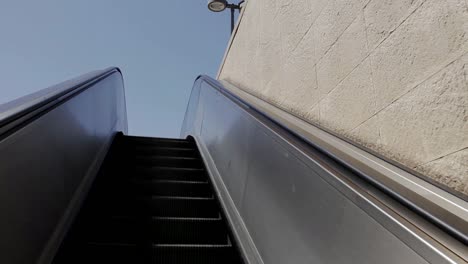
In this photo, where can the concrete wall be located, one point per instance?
(390, 75)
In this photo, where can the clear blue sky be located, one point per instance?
(161, 46)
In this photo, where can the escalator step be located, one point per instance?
(160, 142)
(121, 230)
(158, 230)
(158, 151)
(181, 207)
(194, 254)
(158, 188)
(167, 173)
(189, 231)
(152, 139)
(171, 162)
(159, 253)
(152, 202)
(111, 253)
(169, 206)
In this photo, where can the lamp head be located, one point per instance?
(217, 5)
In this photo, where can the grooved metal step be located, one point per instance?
(164, 151)
(158, 230)
(182, 207)
(111, 253)
(158, 253)
(170, 206)
(158, 188)
(189, 231)
(191, 254)
(170, 173)
(151, 203)
(173, 162)
(160, 142)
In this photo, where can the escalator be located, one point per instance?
(152, 202)
(246, 182)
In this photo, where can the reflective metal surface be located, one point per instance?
(290, 203)
(438, 205)
(52, 144)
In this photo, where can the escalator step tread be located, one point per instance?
(207, 254)
(170, 173)
(167, 161)
(152, 202)
(159, 230)
(158, 253)
(162, 151)
(153, 139)
(160, 142)
(133, 187)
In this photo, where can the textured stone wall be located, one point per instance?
(390, 75)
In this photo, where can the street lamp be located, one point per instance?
(221, 5)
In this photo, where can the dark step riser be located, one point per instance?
(108, 254)
(168, 174)
(194, 208)
(153, 139)
(154, 173)
(143, 161)
(132, 189)
(170, 152)
(156, 255)
(194, 255)
(157, 231)
(159, 144)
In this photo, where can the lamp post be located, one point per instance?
(221, 5)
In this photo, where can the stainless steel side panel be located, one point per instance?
(46, 165)
(287, 207)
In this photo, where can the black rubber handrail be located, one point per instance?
(27, 108)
